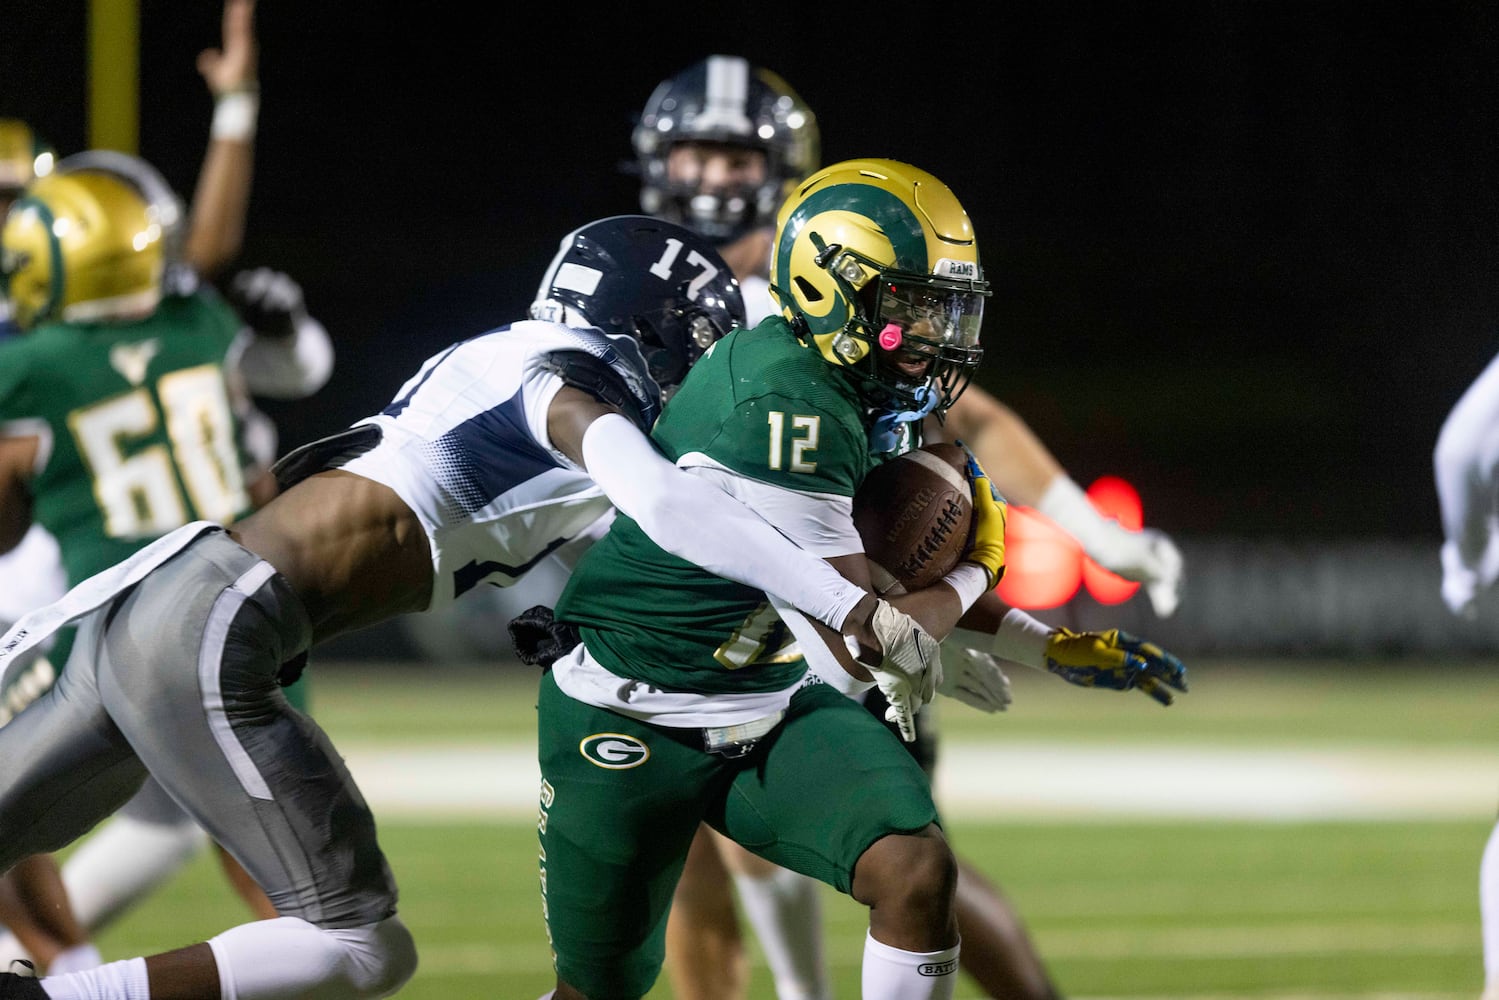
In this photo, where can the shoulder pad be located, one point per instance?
(325, 453)
(596, 377)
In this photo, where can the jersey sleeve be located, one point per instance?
(791, 443)
(765, 407)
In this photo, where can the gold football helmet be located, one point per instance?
(80, 247)
(875, 262)
(164, 204)
(23, 156)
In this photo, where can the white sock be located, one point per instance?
(10, 949)
(116, 981)
(785, 909)
(1488, 908)
(76, 959)
(122, 862)
(84, 956)
(892, 974)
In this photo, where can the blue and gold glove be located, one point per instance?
(1115, 660)
(989, 515)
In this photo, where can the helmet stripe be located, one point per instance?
(54, 257)
(885, 208)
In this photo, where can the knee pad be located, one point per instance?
(290, 957)
(383, 955)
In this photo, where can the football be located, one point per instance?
(914, 514)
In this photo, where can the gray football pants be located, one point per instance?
(177, 677)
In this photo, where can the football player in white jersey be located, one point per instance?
(717, 148)
(1466, 466)
(493, 455)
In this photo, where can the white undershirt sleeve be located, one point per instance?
(702, 524)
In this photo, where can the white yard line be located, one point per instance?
(1200, 782)
(1027, 781)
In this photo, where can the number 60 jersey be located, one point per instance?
(134, 423)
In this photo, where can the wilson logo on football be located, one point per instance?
(614, 751)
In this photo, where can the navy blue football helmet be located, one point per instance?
(645, 278)
(724, 101)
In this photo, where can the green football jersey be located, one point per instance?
(138, 433)
(765, 406)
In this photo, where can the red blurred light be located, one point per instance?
(1043, 564)
(1113, 498)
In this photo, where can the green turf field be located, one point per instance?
(1144, 907)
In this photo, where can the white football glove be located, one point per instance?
(1465, 582)
(911, 669)
(1162, 574)
(973, 677)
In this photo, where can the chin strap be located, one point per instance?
(884, 436)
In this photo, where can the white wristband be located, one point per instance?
(1022, 639)
(234, 116)
(970, 580)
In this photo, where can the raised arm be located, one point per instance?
(221, 199)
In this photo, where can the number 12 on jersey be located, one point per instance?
(795, 441)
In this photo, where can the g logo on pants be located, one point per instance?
(614, 751)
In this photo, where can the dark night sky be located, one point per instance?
(1243, 251)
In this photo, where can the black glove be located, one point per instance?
(540, 639)
(269, 301)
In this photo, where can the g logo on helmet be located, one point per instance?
(614, 751)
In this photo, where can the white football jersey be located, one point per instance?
(465, 445)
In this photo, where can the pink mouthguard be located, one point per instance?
(890, 337)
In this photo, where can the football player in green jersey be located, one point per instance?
(688, 698)
(718, 147)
